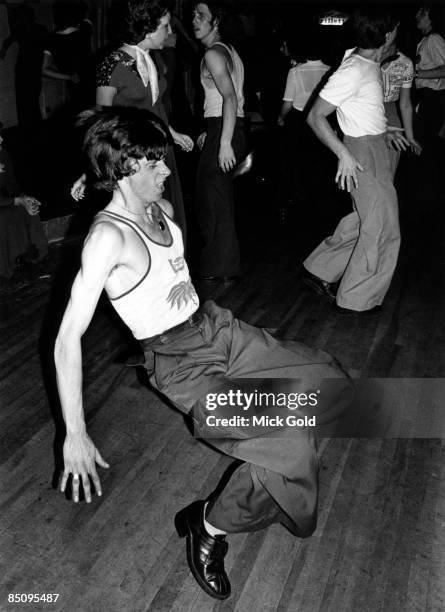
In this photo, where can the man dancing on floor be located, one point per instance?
(362, 253)
(134, 251)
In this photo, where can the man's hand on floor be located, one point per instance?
(80, 457)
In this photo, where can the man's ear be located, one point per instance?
(134, 165)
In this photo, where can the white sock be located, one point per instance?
(211, 530)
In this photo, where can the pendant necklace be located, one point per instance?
(159, 220)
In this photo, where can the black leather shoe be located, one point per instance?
(318, 285)
(205, 553)
(358, 314)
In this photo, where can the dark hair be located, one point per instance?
(66, 14)
(219, 12)
(114, 137)
(24, 14)
(435, 15)
(142, 18)
(370, 26)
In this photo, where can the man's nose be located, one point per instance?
(170, 31)
(165, 169)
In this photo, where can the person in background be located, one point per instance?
(362, 253)
(302, 152)
(129, 77)
(30, 38)
(430, 85)
(67, 55)
(21, 231)
(397, 74)
(222, 144)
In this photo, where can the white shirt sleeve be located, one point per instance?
(436, 47)
(342, 84)
(289, 93)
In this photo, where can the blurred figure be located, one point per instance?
(21, 231)
(179, 53)
(272, 70)
(30, 38)
(430, 84)
(68, 55)
(397, 74)
(302, 152)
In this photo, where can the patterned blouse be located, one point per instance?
(396, 75)
(119, 70)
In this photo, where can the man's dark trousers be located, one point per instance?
(215, 203)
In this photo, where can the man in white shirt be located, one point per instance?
(362, 253)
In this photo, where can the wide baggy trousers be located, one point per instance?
(363, 250)
(278, 480)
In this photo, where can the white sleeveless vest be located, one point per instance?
(213, 99)
(164, 296)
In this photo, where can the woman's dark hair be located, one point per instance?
(114, 137)
(142, 18)
(66, 14)
(370, 26)
(435, 14)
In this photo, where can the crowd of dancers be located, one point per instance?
(142, 70)
(360, 113)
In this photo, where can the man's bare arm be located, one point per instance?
(216, 62)
(100, 254)
(347, 164)
(406, 112)
(432, 73)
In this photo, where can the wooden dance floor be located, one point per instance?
(380, 540)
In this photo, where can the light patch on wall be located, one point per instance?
(332, 21)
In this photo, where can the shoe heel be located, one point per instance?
(181, 524)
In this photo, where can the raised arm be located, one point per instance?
(216, 63)
(347, 164)
(100, 254)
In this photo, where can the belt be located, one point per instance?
(170, 334)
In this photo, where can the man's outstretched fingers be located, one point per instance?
(64, 480)
(96, 481)
(98, 458)
(86, 487)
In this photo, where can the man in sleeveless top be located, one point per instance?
(362, 253)
(193, 355)
(223, 144)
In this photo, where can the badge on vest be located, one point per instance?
(177, 264)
